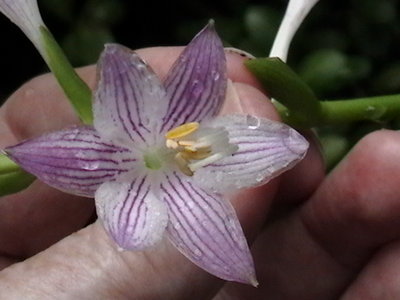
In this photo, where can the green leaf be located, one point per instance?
(284, 85)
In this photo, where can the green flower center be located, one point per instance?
(152, 160)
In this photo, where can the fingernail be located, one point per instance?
(240, 52)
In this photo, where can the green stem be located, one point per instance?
(74, 87)
(377, 109)
(12, 178)
(7, 165)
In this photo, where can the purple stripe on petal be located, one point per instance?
(204, 227)
(129, 99)
(196, 84)
(131, 213)
(74, 160)
(265, 150)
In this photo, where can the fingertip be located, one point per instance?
(40, 106)
(246, 99)
(295, 187)
(357, 207)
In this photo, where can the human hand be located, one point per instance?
(290, 262)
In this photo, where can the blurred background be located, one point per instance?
(345, 48)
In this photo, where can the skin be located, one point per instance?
(314, 236)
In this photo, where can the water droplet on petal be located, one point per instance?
(197, 252)
(206, 206)
(215, 75)
(252, 122)
(197, 88)
(205, 223)
(260, 177)
(90, 166)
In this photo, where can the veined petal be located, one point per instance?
(129, 100)
(25, 14)
(295, 14)
(196, 84)
(131, 213)
(205, 228)
(265, 150)
(75, 160)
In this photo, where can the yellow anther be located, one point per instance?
(182, 131)
(186, 143)
(189, 149)
(183, 164)
(198, 155)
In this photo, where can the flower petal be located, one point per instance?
(196, 84)
(205, 228)
(25, 14)
(129, 100)
(131, 213)
(266, 149)
(295, 14)
(75, 160)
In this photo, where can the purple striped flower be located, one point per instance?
(158, 159)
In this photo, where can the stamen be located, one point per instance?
(183, 163)
(200, 149)
(213, 158)
(171, 144)
(204, 162)
(182, 131)
(189, 149)
(185, 143)
(210, 139)
(196, 155)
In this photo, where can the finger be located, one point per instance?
(299, 183)
(40, 106)
(380, 279)
(89, 258)
(314, 252)
(39, 216)
(359, 200)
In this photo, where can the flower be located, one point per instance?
(295, 14)
(159, 160)
(25, 14)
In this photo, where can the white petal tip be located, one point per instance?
(253, 281)
(120, 249)
(296, 143)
